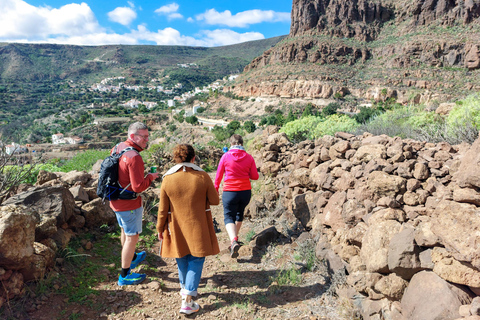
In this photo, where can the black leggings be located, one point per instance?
(234, 203)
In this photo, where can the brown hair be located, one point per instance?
(183, 153)
(236, 140)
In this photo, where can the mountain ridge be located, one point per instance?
(420, 51)
(36, 62)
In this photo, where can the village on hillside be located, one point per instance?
(106, 85)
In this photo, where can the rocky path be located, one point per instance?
(257, 285)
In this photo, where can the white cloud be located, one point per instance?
(242, 19)
(190, 19)
(122, 15)
(175, 15)
(76, 24)
(169, 8)
(18, 19)
(223, 37)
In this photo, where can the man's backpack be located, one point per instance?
(108, 186)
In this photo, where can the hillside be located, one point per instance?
(42, 81)
(36, 62)
(418, 51)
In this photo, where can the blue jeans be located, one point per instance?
(189, 272)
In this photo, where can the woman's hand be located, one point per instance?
(160, 236)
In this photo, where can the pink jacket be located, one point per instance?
(236, 164)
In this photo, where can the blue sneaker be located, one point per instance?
(140, 257)
(131, 278)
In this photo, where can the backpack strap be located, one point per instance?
(119, 156)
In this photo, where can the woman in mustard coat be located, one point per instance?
(185, 223)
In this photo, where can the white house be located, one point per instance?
(58, 138)
(133, 103)
(149, 104)
(73, 140)
(10, 148)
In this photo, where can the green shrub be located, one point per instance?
(274, 119)
(466, 111)
(30, 176)
(221, 134)
(269, 108)
(233, 126)
(171, 127)
(249, 126)
(301, 129)
(83, 161)
(191, 120)
(307, 111)
(415, 123)
(330, 109)
(334, 123)
(366, 114)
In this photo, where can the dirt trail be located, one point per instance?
(248, 287)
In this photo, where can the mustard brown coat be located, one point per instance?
(184, 214)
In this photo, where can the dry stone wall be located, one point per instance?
(401, 215)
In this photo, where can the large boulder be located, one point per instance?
(98, 212)
(45, 176)
(75, 176)
(375, 244)
(458, 226)
(403, 254)
(55, 206)
(385, 185)
(301, 209)
(333, 211)
(17, 235)
(41, 261)
(429, 297)
(468, 174)
(452, 270)
(369, 152)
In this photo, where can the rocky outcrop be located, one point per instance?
(35, 223)
(352, 19)
(338, 47)
(399, 217)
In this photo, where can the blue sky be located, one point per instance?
(178, 22)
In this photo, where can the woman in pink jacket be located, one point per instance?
(238, 167)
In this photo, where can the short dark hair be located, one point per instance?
(236, 140)
(183, 153)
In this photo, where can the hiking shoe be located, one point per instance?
(140, 257)
(189, 307)
(131, 278)
(234, 249)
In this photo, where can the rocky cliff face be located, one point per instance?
(360, 47)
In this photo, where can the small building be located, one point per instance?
(150, 104)
(133, 103)
(10, 148)
(74, 140)
(58, 138)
